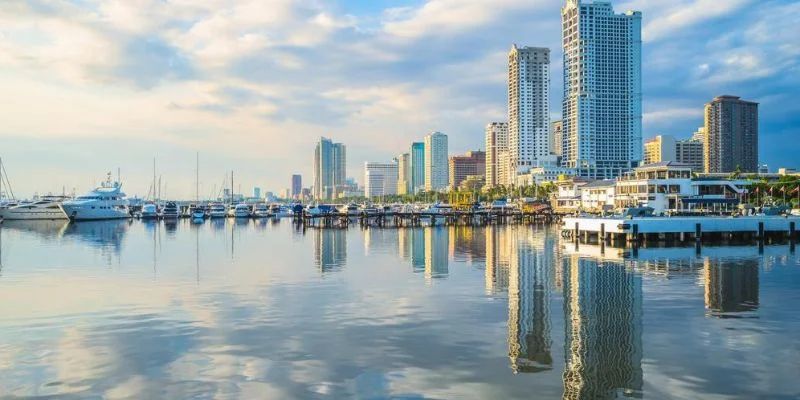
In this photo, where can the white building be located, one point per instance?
(496, 144)
(380, 179)
(599, 196)
(602, 106)
(437, 172)
(545, 174)
(528, 107)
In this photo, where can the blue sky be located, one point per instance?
(91, 86)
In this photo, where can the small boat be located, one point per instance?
(149, 211)
(275, 211)
(104, 202)
(369, 210)
(242, 210)
(350, 209)
(261, 210)
(46, 208)
(217, 210)
(438, 209)
(199, 213)
(170, 211)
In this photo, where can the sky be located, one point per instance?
(92, 86)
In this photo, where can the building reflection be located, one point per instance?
(529, 296)
(498, 242)
(603, 330)
(412, 247)
(731, 286)
(437, 242)
(467, 243)
(330, 249)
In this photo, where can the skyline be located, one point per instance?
(116, 84)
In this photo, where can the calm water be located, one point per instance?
(262, 310)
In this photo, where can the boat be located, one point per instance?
(261, 210)
(242, 210)
(217, 210)
(199, 213)
(104, 202)
(45, 208)
(170, 211)
(369, 210)
(149, 211)
(438, 209)
(275, 211)
(350, 209)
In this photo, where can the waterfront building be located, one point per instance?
(436, 163)
(473, 163)
(731, 139)
(403, 174)
(528, 108)
(599, 196)
(567, 198)
(496, 144)
(297, 186)
(380, 179)
(690, 152)
(556, 137)
(544, 174)
(330, 169)
(602, 102)
(505, 172)
(417, 167)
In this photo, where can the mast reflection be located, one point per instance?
(603, 330)
(330, 249)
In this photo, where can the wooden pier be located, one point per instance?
(415, 219)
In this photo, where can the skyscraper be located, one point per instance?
(380, 179)
(417, 167)
(556, 137)
(731, 139)
(602, 105)
(436, 164)
(403, 172)
(330, 168)
(297, 186)
(528, 108)
(496, 144)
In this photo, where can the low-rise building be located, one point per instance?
(598, 196)
(544, 174)
(567, 198)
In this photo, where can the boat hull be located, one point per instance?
(32, 214)
(85, 213)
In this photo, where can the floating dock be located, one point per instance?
(647, 229)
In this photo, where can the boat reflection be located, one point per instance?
(104, 235)
(47, 230)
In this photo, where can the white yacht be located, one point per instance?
(170, 211)
(241, 210)
(217, 210)
(261, 210)
(105, 202)
(45, 208)
(149, 211)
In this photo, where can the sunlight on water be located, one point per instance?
(261, 309)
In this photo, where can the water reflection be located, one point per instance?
(104, 235)
(437, 243)
(731, 287)
(330, 249)
(44, 230)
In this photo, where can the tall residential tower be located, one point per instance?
(496, 144)
(602, 105)
(437, 172)
(416, 167)
(528, 108)
(731, 135)
(330, 168)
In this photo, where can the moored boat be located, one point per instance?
(45, 208)
(104, 202)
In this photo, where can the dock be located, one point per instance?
(660, 229)
(415, 219)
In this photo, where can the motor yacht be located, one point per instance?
(217, 210)
(104, 202)
(438, 209)
(170, 211)
(242, 210)
(350, 209)
(261, 210)
(199, 213)
(45, 208)
(149, 211)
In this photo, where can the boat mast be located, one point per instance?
(197, 179)
(231, 187)
(154, 179)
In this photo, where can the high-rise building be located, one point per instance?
(471, 164)
(690, 152)
(403, 174)
(257, 192)
(602, 104)
(528, 107)
(658, 149)
(731, 139)
(330, 168)
(297, 186)
(417, 167)
(380, 179)
(436, 164)
(496, 143)
(556, 137)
